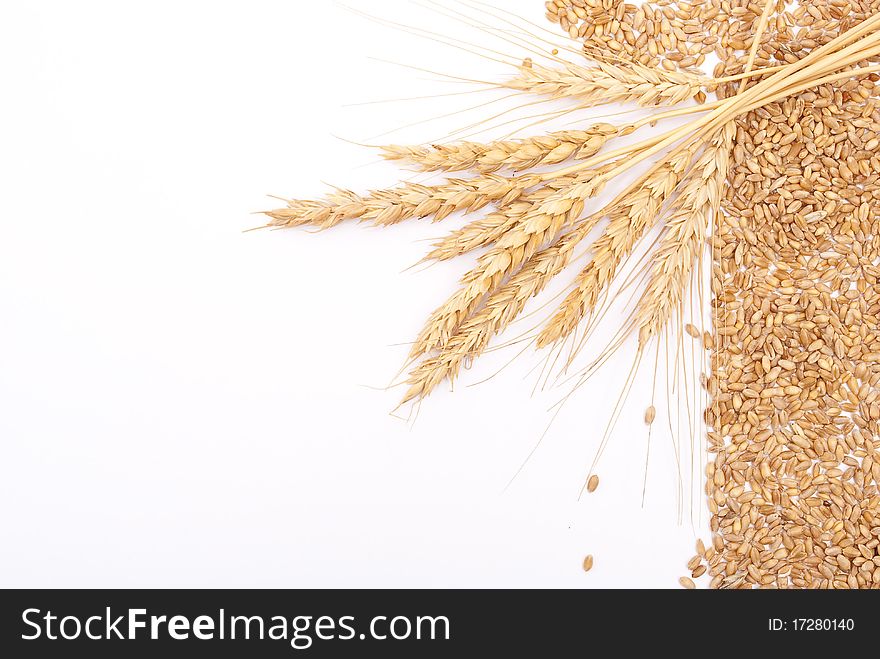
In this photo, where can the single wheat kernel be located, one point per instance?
(593, 483)
(650, 415)
(588, 563)
(687, 583)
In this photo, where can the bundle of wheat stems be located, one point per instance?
(539, 220)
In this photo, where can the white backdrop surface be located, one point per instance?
(186, 405)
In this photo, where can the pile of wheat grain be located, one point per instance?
(677, 34)
(669, 34)
(796, 380)
(794, 427)
(793, 488)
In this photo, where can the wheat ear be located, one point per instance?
(411, 200)
(500, 309)
(607, 83)
(629, 220)
(487, 230)
(540, 151)
(539, 227)
(684, 236)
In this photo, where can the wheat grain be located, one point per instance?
(669, 35)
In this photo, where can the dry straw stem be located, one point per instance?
(538, 228)
(411, 200)
(769, 6)
(539, 151)
(607, 83)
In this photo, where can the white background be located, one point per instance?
(183, 404)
